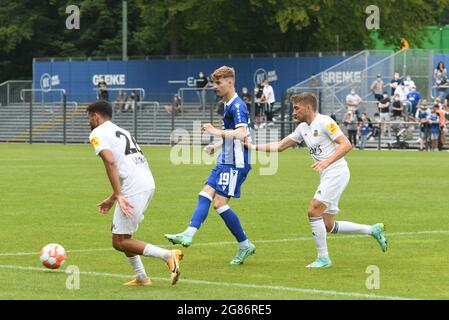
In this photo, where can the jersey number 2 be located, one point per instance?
(131, 146)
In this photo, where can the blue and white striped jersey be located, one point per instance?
(234, 152)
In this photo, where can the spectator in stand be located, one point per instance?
(442, 120)
(440, 76)
(246, 97)
(409, 83)
(434, 123)
(394, 83)
(384, 114)
(350, 121)
(375, 126)
(364, 131)
(119, 103)
(175, 106)
(377, 88)
(402, 91)
(422, 116)
(202, 82)
(269, 99)
(397, 107)
(103, 93)
(220, 107)
(258, 93)
(353, 102)
(132, 101)
(413, 99)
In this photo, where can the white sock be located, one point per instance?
(138, 268)
(319, 236)
(190, 231)
(350, 227)
(244, 244)
(153, 251)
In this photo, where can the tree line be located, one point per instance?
(37, 28)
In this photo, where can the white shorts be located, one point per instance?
(384, 117)
(123, 225)
(332, 185)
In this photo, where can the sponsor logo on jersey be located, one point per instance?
(332, 128)
(95, 141)
(316, 151)
(315, 133)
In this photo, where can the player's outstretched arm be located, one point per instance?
(278, 146)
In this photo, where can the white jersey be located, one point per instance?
(320, 138)
(134, 172)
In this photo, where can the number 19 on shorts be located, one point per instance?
(224, 179)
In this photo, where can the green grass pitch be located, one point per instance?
(49, 194)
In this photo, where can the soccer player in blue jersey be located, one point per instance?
(232, 168)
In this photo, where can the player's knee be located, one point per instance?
(329, 225)
(117, 243)
(314, 211)
(218, 204)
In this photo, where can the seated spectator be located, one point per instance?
(132, 101)
(119, 103)
(176, 105)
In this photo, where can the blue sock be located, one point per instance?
(232, 222)
(201, 211)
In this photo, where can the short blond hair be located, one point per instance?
(305, 98)
(223, 72)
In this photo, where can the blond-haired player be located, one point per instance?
(232, 168)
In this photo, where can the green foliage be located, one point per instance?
(36, 28)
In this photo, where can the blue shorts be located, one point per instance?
(227, 180)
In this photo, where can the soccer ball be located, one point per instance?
(53, 256)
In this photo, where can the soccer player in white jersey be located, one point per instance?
(328, 146)
(133, 187)
(232, 168)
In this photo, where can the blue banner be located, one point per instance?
(162, 78)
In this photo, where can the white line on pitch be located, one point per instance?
(342, 237)
(225, 284)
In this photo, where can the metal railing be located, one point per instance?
(202, 95)
(64, 105)
(10, 91)
(141, 90)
